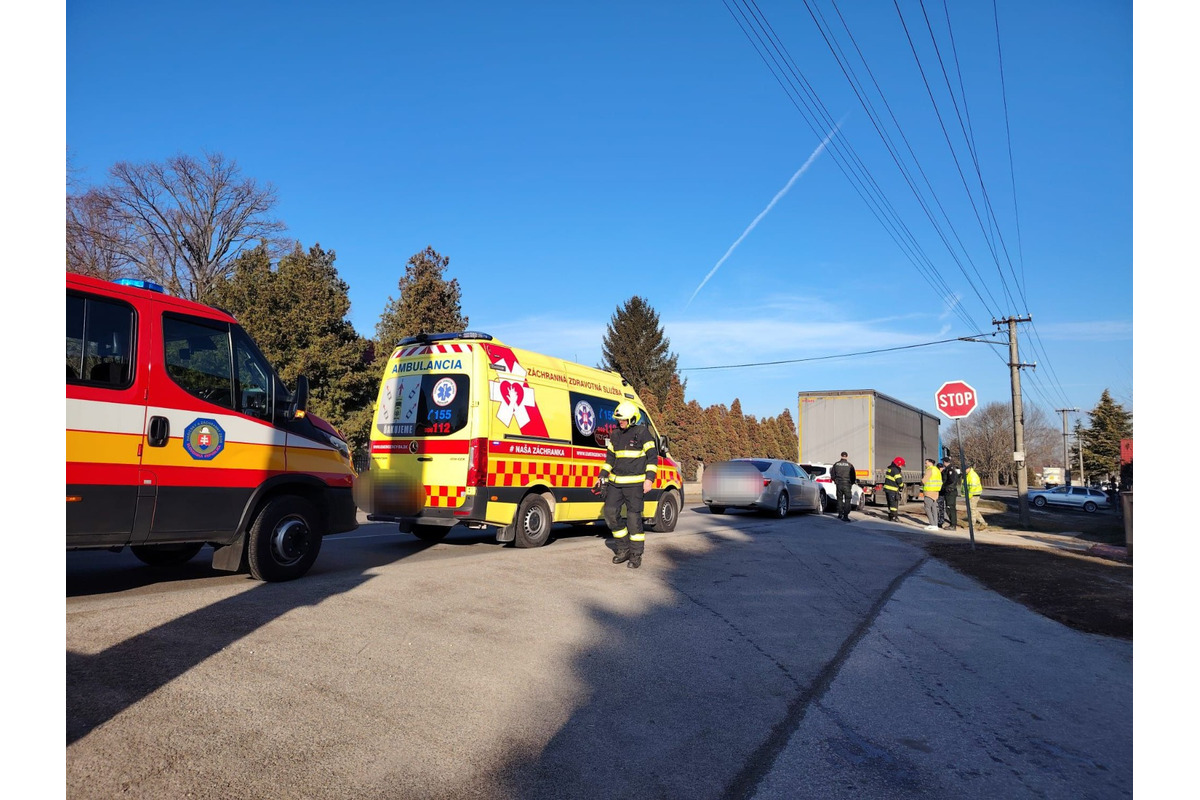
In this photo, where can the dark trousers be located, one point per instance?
(893, 503)
(844, 497)
(951, 500)
(627, 532)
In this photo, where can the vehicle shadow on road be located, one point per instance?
(102, 685)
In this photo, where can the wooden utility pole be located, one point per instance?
(1015, 365)
(1066, 453)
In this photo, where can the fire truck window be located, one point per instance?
(254, 378)
(198, 358)
(99, 342)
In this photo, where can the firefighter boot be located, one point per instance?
(635, 560)
(622, 555)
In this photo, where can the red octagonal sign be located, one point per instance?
(956, 399)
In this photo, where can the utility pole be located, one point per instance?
(1079, 444)
(1015, 365)
(1066, 455)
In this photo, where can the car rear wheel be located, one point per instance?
(713, 509)
(1040, 502)
(533, 522)
(830, 503)
(783, 505)
(1089, 507)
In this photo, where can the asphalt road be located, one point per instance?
(748, 657)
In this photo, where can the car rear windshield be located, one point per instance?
(762, 466)
(811, 470)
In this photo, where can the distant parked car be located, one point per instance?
(769, 485)
(820, 473)
(1072, 496)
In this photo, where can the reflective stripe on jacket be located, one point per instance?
(632, 456)
(893, 479)
(973, 484)
(933, 480)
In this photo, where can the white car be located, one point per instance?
(829, 492)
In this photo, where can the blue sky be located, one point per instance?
(568, 156)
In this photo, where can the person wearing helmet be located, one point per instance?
(893, 485)
(630, 467)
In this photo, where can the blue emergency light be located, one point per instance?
(138, 283)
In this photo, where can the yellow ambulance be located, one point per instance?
(470, 431)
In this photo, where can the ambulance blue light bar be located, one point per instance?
(138, 283)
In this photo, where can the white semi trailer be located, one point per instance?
(873, 428)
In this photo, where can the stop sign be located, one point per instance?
(956, 399)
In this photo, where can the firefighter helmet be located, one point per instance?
(899, 461)
(626, 410)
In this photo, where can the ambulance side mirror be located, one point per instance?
(665, 445)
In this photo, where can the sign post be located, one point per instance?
(957, 399)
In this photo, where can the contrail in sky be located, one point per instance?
(770, 205)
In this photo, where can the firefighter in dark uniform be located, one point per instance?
(893, 485)
(844, 476)
(629, 470)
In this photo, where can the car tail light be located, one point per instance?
(824, 480)
(766, 482)
(477, 463)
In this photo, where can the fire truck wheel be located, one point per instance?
(165, 555)
(284, 540)
(533, 522)
(668, 512)
(430, 533)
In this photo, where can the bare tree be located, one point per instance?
(185, 220)
(97, 244)
(988, 438)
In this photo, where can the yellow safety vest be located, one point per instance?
(933, 480)
(974, 486)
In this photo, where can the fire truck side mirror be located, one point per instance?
(300, 401)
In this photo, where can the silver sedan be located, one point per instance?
(769, 485)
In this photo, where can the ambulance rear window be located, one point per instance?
(424, 405)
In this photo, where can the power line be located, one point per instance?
(971, 338)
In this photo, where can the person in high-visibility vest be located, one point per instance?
(972, 488)
(931, 485)
(893, 485)
(629, 470)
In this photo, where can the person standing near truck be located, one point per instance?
(893, 485)
(974, 488)
(931, 485)
(630, 466)
(949, 494)
(844, 475)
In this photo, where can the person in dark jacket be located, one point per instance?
(893, 485)
(629, 470)
(948, 499)
(844, 477)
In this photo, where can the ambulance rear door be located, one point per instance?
(424, 427)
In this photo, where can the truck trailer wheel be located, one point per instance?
(166, 555)
(284, 540)
(667, 513)
(533, 522)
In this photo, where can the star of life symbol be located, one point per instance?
(585, 417)
(514, 395)
(444, 391)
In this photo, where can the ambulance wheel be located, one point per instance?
(166, 555)
(284, 540)
(430, 533)
(667, 513)
(533, 522)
